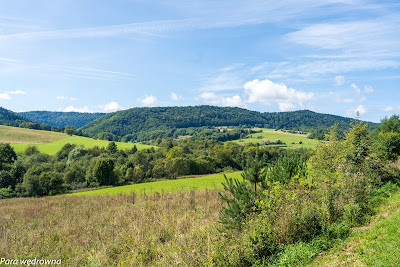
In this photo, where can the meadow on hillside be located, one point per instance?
(51, 142)
(290, 140)
(166, 186)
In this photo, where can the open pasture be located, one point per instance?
(291, 140)
(198, 183)
(169, 229)
(51, 142)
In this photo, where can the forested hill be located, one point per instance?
(147, 123)
(10, 118)
(61, 119)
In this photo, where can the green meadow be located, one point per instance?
(51, 142)
(167, 186)
(291, 140)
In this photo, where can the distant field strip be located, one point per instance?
(27, 136)
(198, 183)
(51, 142)
(291, 140)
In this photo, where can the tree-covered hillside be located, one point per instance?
(10, 118)
(61, 119)
(149, 123)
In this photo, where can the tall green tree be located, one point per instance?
(70, 130)
(103, 171)
(7, 156)
(255, 174)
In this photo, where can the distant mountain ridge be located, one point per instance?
(61, 119)
(9, 118)
(148, 123)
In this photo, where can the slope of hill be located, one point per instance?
(147, 123)
(376, 244)
(10, 118)
(51, 142)
(61, 119)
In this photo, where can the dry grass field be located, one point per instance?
(167, 229)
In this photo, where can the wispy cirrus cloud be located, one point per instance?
(206, 15)
(67, 98)
(7, 59)
(374, 36)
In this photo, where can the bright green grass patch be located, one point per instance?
(203, 182)
(51, 142)
(291, 140)
(54, 147)
(377, 244)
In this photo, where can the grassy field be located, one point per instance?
(198, 183)
(291, 140)
(377, 244)
(169, 229)
(51, 142)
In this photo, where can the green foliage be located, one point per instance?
(61, 119)
(112, 147)
(7, 193)
(10, 118)
(76, 153)
(52, 183)
(286, 168)
(103, 172)
(70, 130)
(255, 174)
(6, 180)
(7, 156)
(151, 123)
(31, 150)
(239, 203)
(386, 138)
(64, 151)
(107, 136)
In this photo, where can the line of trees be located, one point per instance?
(32, 173)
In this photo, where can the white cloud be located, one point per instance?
(228, 80)
(387, 109)
(7, 95)
(286, 106)
(66, 98)
(74, 109)
(339, 80)
(175, 97)
(267, 92)
(17, 92)
(322, 67)
(356, 88)
(205, 15)
(344, 100)
(368, 89)
(370, 36)
(148, 100)
(360, 110)
(110, 107)
(213, 99)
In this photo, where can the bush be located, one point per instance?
(7, 193)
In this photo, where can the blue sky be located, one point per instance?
(339, 57)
